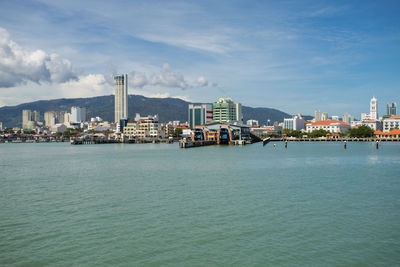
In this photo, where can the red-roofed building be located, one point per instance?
(331, 126)
(392, 134)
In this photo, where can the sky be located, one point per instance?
(296, 56)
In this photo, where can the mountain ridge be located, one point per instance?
(168, 109)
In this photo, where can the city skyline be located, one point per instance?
(329, 56)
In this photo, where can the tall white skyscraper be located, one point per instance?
(373, 108)
(121, 97)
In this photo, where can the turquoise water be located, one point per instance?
(313, 204)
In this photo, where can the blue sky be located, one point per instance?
(296, 56)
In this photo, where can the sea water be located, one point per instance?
(312, 204)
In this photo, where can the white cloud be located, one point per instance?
(90, 85)
(18, 65)
(168, 78)
(138, 79)
(165, 78)
(201, 81)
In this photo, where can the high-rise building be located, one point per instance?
(121, 97)
(347, 118)
(324, 116)
(391, 109)
(30, 118)
(317, 115)
(1, 126)
(36, 116)
(200, 114)
(49, 118)
(373, 108)
(67, 118)
(78, 114)
(26, 117)
(225, 110)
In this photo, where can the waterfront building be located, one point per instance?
(121, 97)
(169, 129)
(373, 124)
(295, 123)
(395, 133)
(324, 116)
(148, 127)
(130, 130)
(391, 109)
(329, 126)
(200, 114)
(317, 115)
(252, 122)
(373, 108)
(225, 110)
(391, 123)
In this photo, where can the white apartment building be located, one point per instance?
(295, 123)
(329, 126)
(130, 130)
(144, 127)
(375, 125)
(391, 123)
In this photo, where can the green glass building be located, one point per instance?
(225, 110)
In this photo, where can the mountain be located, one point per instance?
(168, 109)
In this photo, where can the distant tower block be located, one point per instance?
(121, 97)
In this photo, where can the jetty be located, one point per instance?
(219, 134)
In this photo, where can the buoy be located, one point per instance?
(377, 144)
(285, 144)
(345, 144)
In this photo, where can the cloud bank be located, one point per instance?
(19, 66)
(165, 78)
